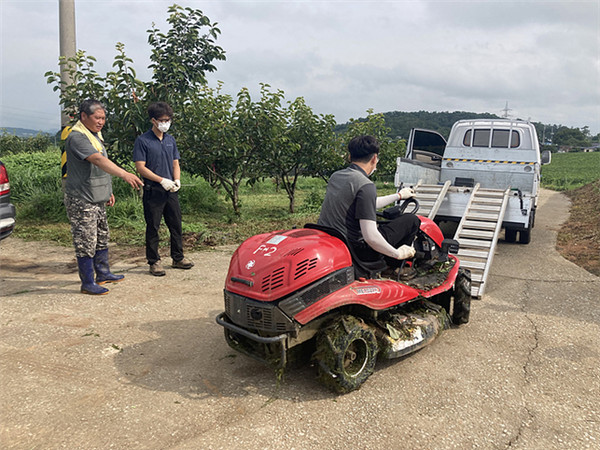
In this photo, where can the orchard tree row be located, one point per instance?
(227, 140)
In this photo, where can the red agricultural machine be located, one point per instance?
(302, 292)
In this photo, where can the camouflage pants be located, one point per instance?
(88, 226)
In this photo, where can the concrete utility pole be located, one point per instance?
(68, 47)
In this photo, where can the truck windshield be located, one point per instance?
(500, 138)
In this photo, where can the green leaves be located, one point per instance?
(230, 141)
(182, 57)
(375, 125)
(82, 82)
(571, 137)
(227, 140)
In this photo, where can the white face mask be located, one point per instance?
(164, 126)
(374, 168)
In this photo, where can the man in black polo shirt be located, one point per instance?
(351, 204)
(157, 161)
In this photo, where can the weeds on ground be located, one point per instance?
(579, 237)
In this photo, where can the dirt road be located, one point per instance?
(146, 367)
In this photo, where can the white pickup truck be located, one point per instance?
(494, 153)
(486, 178)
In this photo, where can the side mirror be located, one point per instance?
(546, 157)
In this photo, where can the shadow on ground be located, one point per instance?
(192, 358)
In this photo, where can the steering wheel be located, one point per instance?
(408, 201)
(394, 211)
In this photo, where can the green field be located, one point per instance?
(571, 170)
(208, 218)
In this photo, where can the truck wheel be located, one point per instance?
(510, 235)
(462, 297)
(525, 236)
(346, 354)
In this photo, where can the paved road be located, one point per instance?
(146, 367)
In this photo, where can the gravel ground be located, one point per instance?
(147, 367)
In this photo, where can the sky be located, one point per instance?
(343, 57)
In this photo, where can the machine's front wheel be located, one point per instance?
(462, 297)
(346, 354)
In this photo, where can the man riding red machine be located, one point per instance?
(348, 289)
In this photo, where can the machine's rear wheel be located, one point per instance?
(346, 354)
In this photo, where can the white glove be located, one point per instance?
(167, 184)
(176, 186)
(406, 193)
(406, 252)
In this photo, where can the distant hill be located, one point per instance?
(400, 123)
(22, 132)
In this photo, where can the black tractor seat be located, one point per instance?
(362, 268)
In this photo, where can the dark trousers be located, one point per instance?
(159, 203)
(399, 231)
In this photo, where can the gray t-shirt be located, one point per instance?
(85, 180)
(350, 197)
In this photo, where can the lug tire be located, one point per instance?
(462, 297)
(346, 354)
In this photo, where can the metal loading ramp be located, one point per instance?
(478, 233)
(478, 229)
(430, 197)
